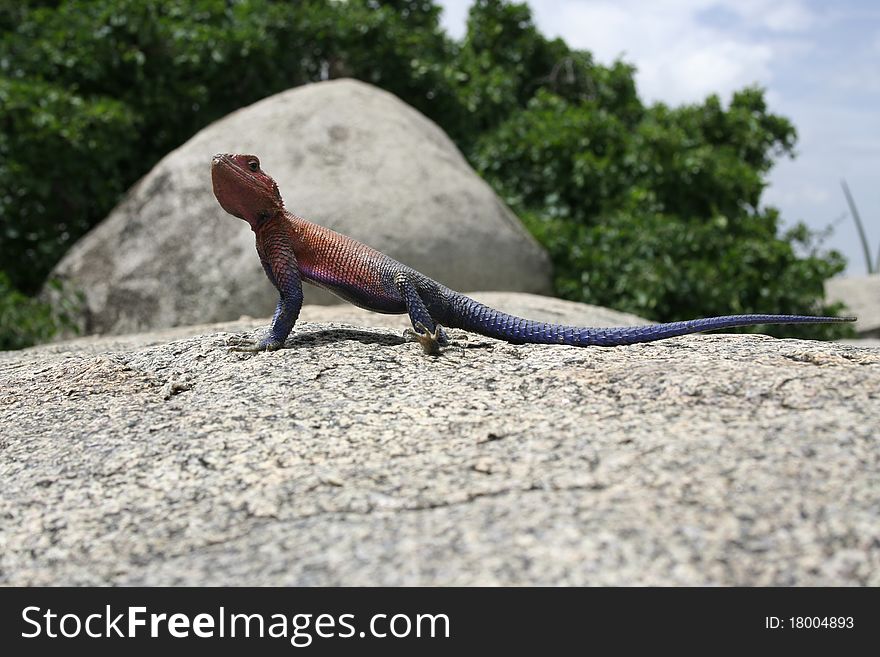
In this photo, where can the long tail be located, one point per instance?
(472, 316)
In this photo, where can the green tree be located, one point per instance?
(25, 320)
(661, 218)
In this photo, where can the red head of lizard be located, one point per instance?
(243, 189)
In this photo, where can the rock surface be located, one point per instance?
(344, 154)
(351, 458)
(861, 294)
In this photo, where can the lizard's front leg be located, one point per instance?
(285, 317)
(284, 274)
(425, 330)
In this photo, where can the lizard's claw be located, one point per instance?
(240, 343)
(431, 341)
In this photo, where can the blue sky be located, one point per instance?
(819, 61)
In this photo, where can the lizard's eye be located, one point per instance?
(254, 165)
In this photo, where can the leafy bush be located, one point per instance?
(61, 156)
(661, 218)
(649, 209)
(25, 321)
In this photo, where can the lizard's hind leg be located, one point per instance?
(425, 330)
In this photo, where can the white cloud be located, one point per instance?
(454, 17)
(682, 48)
(680, 53)
(779, 16)
(688, 72)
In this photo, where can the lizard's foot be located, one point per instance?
(240, 343)
(430, 341)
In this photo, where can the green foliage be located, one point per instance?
(504, 61)
(661, 219)
(655, 210)
(61, 155)
(25, 321)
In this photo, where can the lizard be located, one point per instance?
(293, 249)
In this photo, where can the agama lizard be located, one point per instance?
(293, 250)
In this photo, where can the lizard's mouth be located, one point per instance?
(227, 179)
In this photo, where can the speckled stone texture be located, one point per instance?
(351, 458)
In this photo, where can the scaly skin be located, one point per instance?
(293, 250)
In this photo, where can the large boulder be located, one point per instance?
(861, 294)
(346, 155)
